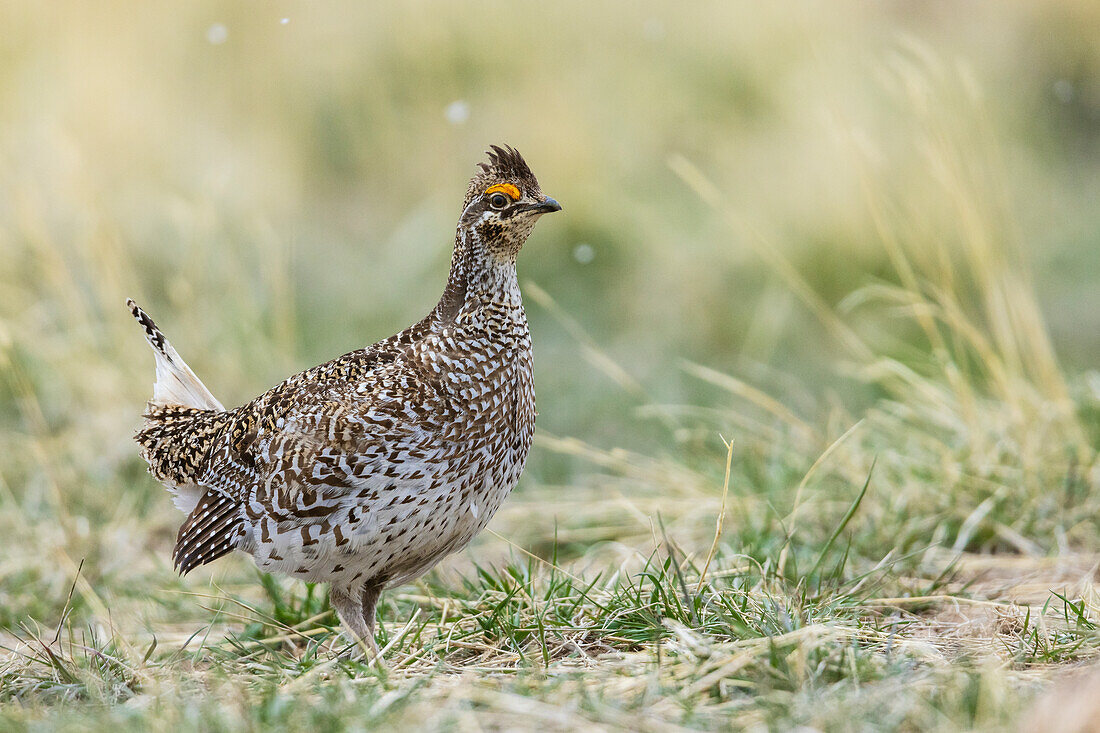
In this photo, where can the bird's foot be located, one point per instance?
(362, 649)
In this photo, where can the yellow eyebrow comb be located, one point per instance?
(507, 188)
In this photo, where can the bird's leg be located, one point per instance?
(348, 603)
(371, 591)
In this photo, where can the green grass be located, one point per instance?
(818, 422)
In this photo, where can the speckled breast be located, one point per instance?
(495, 398)
(365, 508)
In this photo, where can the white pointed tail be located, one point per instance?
(176, 384)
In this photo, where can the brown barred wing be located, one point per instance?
(213, 529)
(218, 524)
(176, 441)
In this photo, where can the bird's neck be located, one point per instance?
(478, 279)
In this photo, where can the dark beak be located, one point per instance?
(546, 206)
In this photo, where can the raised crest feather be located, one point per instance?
(505, 165)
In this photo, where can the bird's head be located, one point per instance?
(503, 203)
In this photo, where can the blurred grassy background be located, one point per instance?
(784, 194)
(279, 186)
(281, 192)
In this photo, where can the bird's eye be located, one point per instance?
(499, 201)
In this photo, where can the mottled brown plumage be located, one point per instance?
(367, 470)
